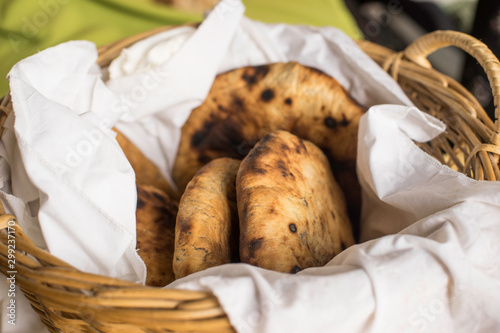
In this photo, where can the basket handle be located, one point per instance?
(427, 44)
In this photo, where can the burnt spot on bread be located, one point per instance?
(140, 203)
(323, 108)
(266, 138)
(344, 122)
(260, 171)
(302, 144)
(199, 136)
(280, 165)
(252, 75)
(222, 108)
(200, 172)
(272, 211)
(254, 246)
(330, 122)
(333, 214)
(295, 269)
(159, 197)
(288, 101)
(292, 227)
(186, 226)
(168, 214)
(300, 147)
(221, 136)
(285, 147)
(244, 213)
(226, 137)
(267, 95)
(238, 104)
(305, 202)
(192, 184)
(141, 192)
(201, 249)
(252, 161)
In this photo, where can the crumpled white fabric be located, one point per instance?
(430, 234)
(69, 164)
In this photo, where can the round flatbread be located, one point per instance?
(206, 231)
(292, 213)
(247, 103)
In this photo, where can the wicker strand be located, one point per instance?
(427, 87)
(427, 44)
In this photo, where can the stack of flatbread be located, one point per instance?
(266, 176)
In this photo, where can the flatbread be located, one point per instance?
(155, 215)
(292, 213)
(247, 103)
(206, 232)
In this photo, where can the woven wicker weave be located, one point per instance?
(69, 300)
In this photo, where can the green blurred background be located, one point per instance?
(28, 26)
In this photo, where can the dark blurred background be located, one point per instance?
(396, 23)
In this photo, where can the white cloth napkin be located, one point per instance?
(69, 163)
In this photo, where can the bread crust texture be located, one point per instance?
(247, 103)
(292, 212)
(207, 232)
(155, 233)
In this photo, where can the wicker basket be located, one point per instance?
(69, 300)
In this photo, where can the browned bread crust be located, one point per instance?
(206, 232)
(247, 103)
(155, 215)
(292, 212)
